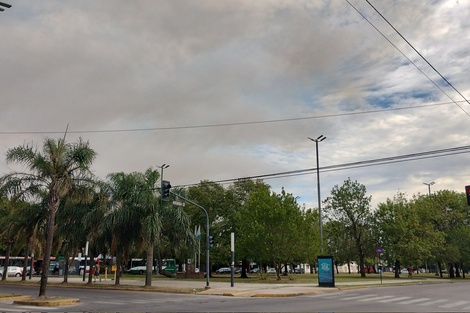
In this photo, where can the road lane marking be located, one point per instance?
(415, 300)
(433, 302)
(355, 297)
(393, 299)
(42, 308)
(453, 304)
(110, 302)
(367, 298)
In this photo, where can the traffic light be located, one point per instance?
(211, 241)
(166, 186)
(467, 191)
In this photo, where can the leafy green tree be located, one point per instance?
(211, 196)
(56, 170)
(339, 243)
(405, 235)
(270, 225)
(236, 196)
(350, 206)
(447, 212)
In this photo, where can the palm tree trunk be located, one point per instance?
(149, 270)
(7, 261)
(25, 263)
(53, 205)
(118, 266)
(91, 267)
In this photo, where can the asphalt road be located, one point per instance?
(451, 297)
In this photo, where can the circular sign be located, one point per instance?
(379, 250)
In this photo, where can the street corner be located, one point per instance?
(50, 301)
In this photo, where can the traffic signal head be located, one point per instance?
(166, 186)
(467, 192)
(211, 241)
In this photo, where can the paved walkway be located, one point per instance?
(239, 289)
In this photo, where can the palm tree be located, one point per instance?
(88, 204)
(139, 216)
(123, 224)
(58, 169)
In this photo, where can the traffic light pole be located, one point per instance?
(208, 270)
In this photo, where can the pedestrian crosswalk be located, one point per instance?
(460, 305)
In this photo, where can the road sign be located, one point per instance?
(178, 203)
(379, 250)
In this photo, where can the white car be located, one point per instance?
(139, 269)
(12, 271)
(224, 270)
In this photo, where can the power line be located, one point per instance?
(409, 60)
(422, 57)
(353, 165)
(121, 130)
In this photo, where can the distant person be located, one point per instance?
(97, 273)
(56, 269)
(410, 272)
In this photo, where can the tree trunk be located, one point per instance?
(53, 206)
(66, 265)
(397, 268)
(362, 264)
(451, 270)
(118, 267)
(149, 269)
(7, 261)
(25, 263)
(92, 265)
(245, 265)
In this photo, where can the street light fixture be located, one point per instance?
(429, 186)
(6, 5)
(319, 139)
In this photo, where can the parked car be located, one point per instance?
(271, 271)
(223, 270)
(138, 270)
(12, 271)
(255, 270)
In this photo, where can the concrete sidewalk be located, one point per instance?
(225, 289)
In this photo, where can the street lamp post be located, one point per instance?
(164, 166)
(429, 193)
(429, 186)
(208, 268)
(319, 139)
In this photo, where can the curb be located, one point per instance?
(48, 302)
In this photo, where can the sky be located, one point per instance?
(227, 89)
